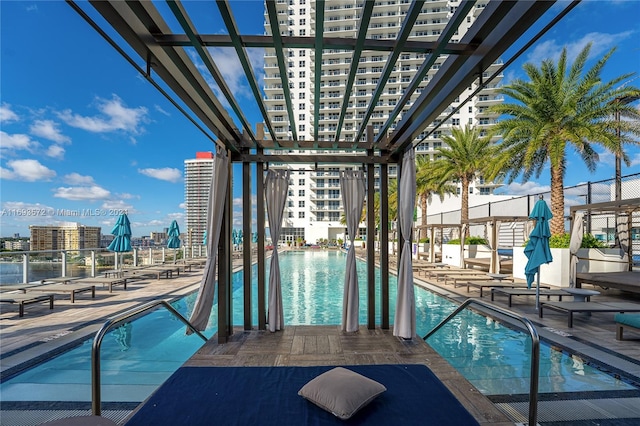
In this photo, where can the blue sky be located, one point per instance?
(81, 130)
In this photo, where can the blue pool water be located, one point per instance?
(136, 360)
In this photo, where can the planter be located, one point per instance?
(556, 273)
(451, 253)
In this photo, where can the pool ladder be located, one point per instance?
(535, 348)
(113, 322)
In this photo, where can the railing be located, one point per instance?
(113, 322)
(535, 348)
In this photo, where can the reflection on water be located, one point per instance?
(11, 272)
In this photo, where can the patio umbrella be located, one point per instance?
(353, 192)
(404, 324)
(254, 237)
(537, 249)
(204, 238)
(122, 233)
(234, 237)
(577, 228)
(174, 238)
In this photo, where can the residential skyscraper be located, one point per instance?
(314, 206)
(197, 183)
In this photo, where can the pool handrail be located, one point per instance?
(535, 347)
(112, 322)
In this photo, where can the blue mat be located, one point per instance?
(269, 396)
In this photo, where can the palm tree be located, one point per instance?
(466, 156)
(427, 186)
(562, 106)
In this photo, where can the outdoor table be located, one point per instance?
(499, 277)
(581, 294)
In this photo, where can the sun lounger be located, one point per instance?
(111, 282)
(481, 285)
(71, 289)
(463, 278)
(626, 321)
(22, 299)
(590, 307)
(439, 273)
(510, 292)
(157, 272)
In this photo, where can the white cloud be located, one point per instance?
(115, 116)
(606, 158)
(526, 188)
(82, 193)
(635, 160)
(117, 205)
(16, 141)
(48, 129)
(6, 114)
(55, 151)
(161, 111)
(77, 179)
(165, 173)
(27, 171)
(601, 43)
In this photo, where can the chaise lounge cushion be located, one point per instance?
(632, 320)
(341, 392)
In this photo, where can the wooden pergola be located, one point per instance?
(167, 60)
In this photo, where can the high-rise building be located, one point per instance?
(197, 184)
(68, 236)
(314, 204)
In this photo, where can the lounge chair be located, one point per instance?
(626, 321)
(571, 307)
(111, 282)
(71, 289)
(510, 292)
(22, 299)
(481, 285)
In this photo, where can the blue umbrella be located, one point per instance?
(537, 249)
(234, 236)
(204, 238)
(240, 236)
(254, 237)
(122, 233)
(174, 235)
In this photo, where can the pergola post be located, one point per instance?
(262, 294)
(225, 308)
(384, 246)
(246, 242)
(371, 229)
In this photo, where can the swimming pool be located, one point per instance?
(493, 357)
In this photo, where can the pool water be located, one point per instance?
(137, 358)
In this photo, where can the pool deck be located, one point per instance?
(42, 331)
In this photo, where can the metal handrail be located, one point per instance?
(113, 322)
(535, 348)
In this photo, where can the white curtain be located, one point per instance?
(215, 212)
(404, 324)
(275, 188)
(491, 236)
(353, 192)
(574, 245)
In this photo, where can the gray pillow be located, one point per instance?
(341, 392)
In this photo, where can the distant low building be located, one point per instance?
(17, 245)
(68, 236)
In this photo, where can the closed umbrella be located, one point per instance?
(122, 233)
(234, 237)
(174, 238)
(574, 245)
(254, 237)
(537, 249)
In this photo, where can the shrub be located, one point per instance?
(468, 241)
(563, 240)
(423, 240)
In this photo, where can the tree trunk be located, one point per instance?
(464, 209)
(557, 200)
